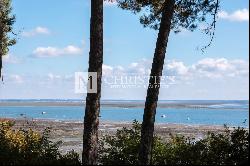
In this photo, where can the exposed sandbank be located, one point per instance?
(70, 132)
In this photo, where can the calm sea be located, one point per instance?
(231, 113)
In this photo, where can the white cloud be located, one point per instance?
(16, 78)
(143, 67)
(238, 15)
(106, 70)
(11, 59)
(42, 30)
(52, 76)
(209, 78)
(221, 67)
(42, 52)
(110, 2)
(211, 68)
(176, 68)
(72, 50)
(46, 51)
(37, 31)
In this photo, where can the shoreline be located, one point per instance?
(128, 104)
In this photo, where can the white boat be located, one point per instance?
(163, 116)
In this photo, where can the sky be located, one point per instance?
(53, 44)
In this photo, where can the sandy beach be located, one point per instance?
(70, 132)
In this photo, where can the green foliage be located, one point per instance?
(6, 29)
(188, 13)
(228, 148)
(27, 147)
(6, 26)
(122, 148)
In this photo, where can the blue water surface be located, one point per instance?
(204, 116)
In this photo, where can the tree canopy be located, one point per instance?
(6, 28)
(188, 14)
(166, 15)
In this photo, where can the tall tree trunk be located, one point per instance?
(1, 48)
(1, 65)
(147, 131)
(1, 34)
(91, 119)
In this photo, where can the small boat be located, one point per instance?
(188, 118)
(163, 116)
(43, 112)
(245, 121)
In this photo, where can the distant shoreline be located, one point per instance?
(195, 104)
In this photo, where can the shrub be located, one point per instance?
(230, 147)
(27, 147)
(122, 148)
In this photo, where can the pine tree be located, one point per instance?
(166, 15)
(91, 119)
(6, 28)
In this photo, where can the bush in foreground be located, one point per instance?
(27, 147)
(228, 148)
